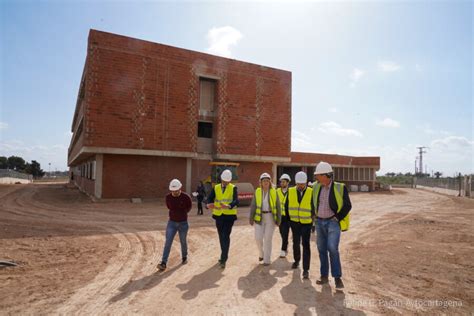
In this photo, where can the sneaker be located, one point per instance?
(305, 274)
(339, 283)
(161, 266)
(260, 259)
(185, 260)
(323, 280)
(283, 254)
(295, 265)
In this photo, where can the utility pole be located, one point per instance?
(421, 152)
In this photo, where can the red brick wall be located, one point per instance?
(127, 176)
(145, 95)
(251, 171)
(86, 185)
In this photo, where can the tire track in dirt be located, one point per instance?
(94, 298)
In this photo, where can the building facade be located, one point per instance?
(147, 113)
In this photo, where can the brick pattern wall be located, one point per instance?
(127, 176)
(143, 95)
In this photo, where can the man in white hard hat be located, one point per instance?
(179, 204)
(299, 206)
(332, 204)
(282, 193)
(223, 200)
(265, 212)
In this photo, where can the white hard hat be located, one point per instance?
(175, 185)
(323, 168)
(301, 177)
(226, 175)
(285, 177)
(265, 176)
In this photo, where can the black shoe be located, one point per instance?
(184, 260)
(161, 266)
(305, 274)
(295, 265)
(222, 264)
(339, 283)
(323, 280)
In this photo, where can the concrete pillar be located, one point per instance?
(99, 166)
(274, 173)
(189, 162)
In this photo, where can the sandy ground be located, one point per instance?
(407, 252)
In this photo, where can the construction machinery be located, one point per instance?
(245, 189)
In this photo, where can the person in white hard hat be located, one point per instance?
(299, 206)
(284, 227)
(179, 204)
(332, 205)
(223, 200)
(265, 212)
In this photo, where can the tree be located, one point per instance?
(3, 162)
(438, 174)
(34, 168)
(16, 163)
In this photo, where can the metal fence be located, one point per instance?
(7, 173)
(463, 184)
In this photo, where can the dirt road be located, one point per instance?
(406, 252)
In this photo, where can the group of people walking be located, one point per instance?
(326, 205)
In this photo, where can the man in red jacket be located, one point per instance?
(179, 204)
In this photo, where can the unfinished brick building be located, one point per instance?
(147, 113)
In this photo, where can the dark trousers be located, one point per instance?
(199, 207)
(284, 232)
(224, 228)
(301, 235)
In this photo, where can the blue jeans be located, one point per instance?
(171, 229)
(328, 235)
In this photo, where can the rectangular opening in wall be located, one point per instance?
(204, 141)
(205, 129)
(207, 96)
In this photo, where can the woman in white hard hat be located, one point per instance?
(179, 205)
(223, 200)
(265, 211)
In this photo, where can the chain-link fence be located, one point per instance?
(7, 173)
(461, 185)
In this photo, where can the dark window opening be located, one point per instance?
(205, 129)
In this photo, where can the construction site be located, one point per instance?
(147, 113)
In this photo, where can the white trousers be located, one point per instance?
(264, 236)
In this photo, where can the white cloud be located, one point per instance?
(428, 130)
(300, 141)
(220, 40)
(387, 122)
(336, 129)
(333, 110)
(453, 142)
(388, 66)
(356, 75)
(44, 154)
(3, 125)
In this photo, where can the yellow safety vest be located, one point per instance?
(300, 212)
(272, 203)
(339, 194)
(226, 198)
(282, 198)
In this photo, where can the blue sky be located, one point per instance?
(369, 78)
